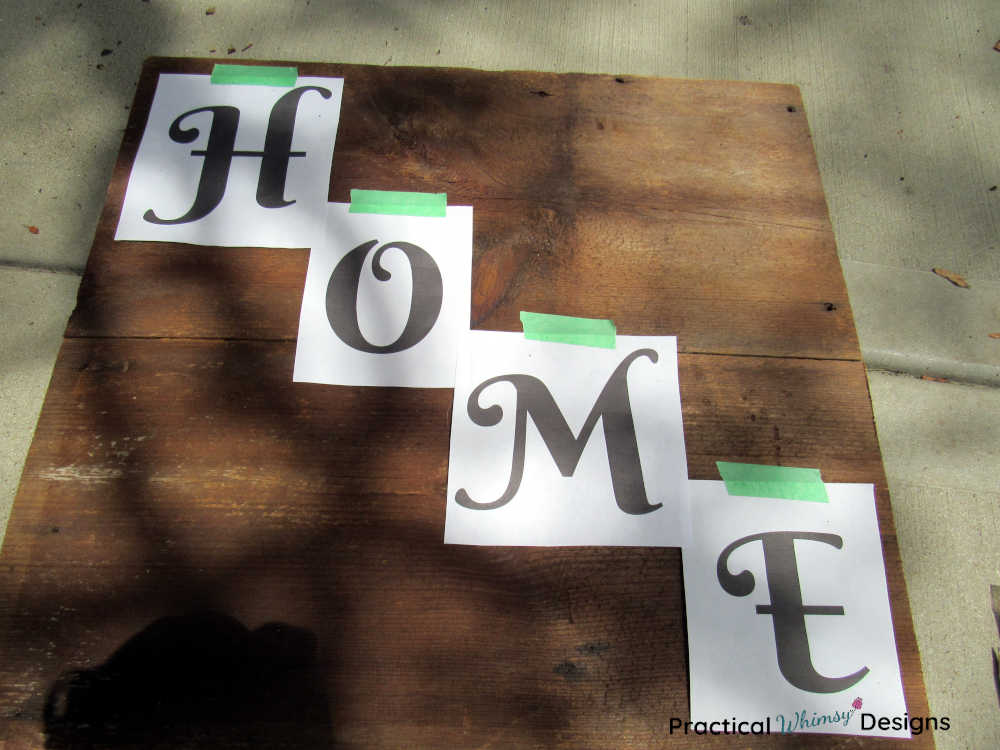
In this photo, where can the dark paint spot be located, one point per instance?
(105, 52)
(55, 529)
(830, 307)
(993, 188)
(791, 108)
(620, 80)
(593, 648)
(541, 93)
(600, 126)
(569, 671)
(745, 21)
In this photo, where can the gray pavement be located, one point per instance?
(902, 99)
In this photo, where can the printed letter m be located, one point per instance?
(612, 408)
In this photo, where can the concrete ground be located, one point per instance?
(902, 99)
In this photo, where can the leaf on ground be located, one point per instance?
(934, 379)
(995, 335)
(33, 229)
(953, 277)
(997, 46)
(210, 11)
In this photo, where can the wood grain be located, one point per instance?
(177, 470)
(197, 477)
(682, 207)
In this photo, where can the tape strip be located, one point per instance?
(403, 204)
(567, 330)
(254, 75)
(783, 482)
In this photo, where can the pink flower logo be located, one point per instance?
(857, 704)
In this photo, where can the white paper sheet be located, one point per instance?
(329, 349)
(585, 508)
(166, 177)
(732, 650)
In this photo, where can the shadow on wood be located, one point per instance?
(200, 681)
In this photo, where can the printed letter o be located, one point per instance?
(342, 296)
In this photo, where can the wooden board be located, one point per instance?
(177, 470)
(688, 208)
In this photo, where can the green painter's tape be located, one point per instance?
(566, 330)
(254, 75)
(784, 482)
(403, 204)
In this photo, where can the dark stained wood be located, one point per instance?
(198, 476)
(193, 427)
(770, 294)
(701, 199)
(176, 468)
